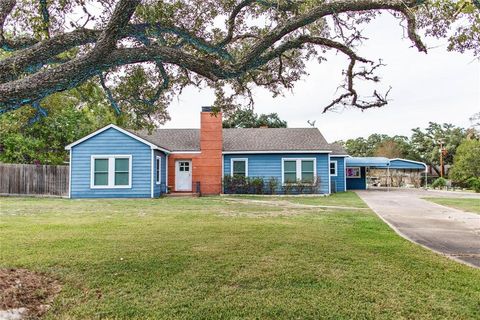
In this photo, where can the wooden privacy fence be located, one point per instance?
(33, 179)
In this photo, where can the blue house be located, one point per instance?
(114, 162)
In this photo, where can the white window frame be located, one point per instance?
(158, 166)
(232, 160)
(111, 170)
(336, 168)
(354, 177)
(299, 167)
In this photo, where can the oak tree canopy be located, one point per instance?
(143, 53)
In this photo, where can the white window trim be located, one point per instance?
(239, 159)
(70, 174)
(158, 167)
(111, 170)
(336, 168)
(359, 170)
(299, 167)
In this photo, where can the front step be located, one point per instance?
(182, 194)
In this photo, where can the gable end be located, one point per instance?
(112, 126)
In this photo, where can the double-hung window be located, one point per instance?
(239, 167)
(333, 168)
(112, 171)
(290, 171)
(298, 170)
(100, 172)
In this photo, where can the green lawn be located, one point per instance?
(470, 205)
(216, 257)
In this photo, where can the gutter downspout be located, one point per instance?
(166, 173)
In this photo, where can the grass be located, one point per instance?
(214, 258)
(470, 205)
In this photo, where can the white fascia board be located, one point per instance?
(411, 161)
(276, 152)
(151, 145)
(185, 152)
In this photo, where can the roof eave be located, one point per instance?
(275, 151)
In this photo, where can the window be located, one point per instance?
(333, 168)
(307, 171)
(290, 171)
(184, 166)
(239, 167)
(157, 169)
(101, 172)
(354, 172)
(294, 170)
(113, 171)
(121, 171)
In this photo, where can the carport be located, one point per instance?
(357, 169)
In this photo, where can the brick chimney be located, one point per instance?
(209, 164)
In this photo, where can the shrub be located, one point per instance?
(256, 185)
(243, 185)
(235, 184)
(272, 185)
(288, 187)
(439, 183)
(474, 183)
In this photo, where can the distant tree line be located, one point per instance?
(247, 118)
(460, 148)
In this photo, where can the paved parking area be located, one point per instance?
(449, 231)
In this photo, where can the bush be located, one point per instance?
(259, 185)
(474, 183)
(439, 183)
(288, 187)
(242, 185)
(272, 185)
(256, 185)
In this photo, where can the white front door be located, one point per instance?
(183, 175)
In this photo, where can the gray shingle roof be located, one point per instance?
(173, 139)
(251, 139)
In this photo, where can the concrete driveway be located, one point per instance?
(451, 232)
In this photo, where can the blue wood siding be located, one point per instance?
(267, 166)
(338, 182)
(159, 189)
(401, 164)
(111, 142)
(358, 183)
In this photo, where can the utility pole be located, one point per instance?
(442, 168)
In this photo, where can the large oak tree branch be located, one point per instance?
(6, 7)
(325, 9)
(24, 81)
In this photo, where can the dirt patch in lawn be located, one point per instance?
(24, 290)
(275, 208)
(290, 205)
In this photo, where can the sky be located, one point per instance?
(440, 86)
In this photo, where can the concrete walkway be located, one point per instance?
(445, 230)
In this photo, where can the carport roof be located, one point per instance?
(372, 162)
(381, 162)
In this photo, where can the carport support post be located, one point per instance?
(388, 178)
(426, 179)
